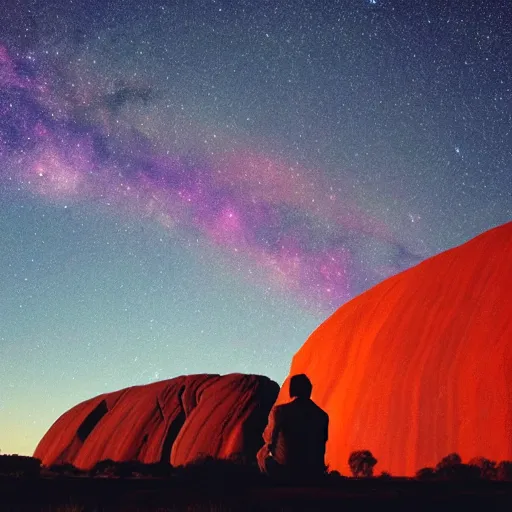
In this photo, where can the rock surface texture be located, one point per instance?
(420, 365)
(177, 420)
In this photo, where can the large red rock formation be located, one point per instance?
(420, 365)
(177, 420)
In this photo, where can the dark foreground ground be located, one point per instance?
(82, 494)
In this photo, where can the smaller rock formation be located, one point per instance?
(178, 420)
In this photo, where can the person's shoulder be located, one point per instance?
(321, 412)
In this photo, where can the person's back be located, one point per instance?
(300, 436)
(295, 436)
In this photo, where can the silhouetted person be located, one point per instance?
(295, 436)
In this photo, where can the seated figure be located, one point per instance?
(295, 436)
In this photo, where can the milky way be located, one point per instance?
(297, 231)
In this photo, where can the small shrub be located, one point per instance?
(460, 472)
(157, 470)
(19, 465)
(219, 472)
(131, 469)
(66, 469)
(486, 467)
(426, 474)
(106, 467)
(361, 463)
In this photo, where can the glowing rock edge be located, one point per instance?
(420, 365)
(177, 420)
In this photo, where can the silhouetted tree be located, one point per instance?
(446, 467)
(504, 471)
(361, 463)
(449, 461)
(486, 467)
(452, 468)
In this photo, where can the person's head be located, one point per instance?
(300, 386)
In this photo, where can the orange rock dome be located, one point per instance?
(420, 365)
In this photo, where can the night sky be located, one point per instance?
(194, 186)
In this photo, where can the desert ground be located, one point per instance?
(114, 494)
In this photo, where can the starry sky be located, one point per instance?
(194, 186)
